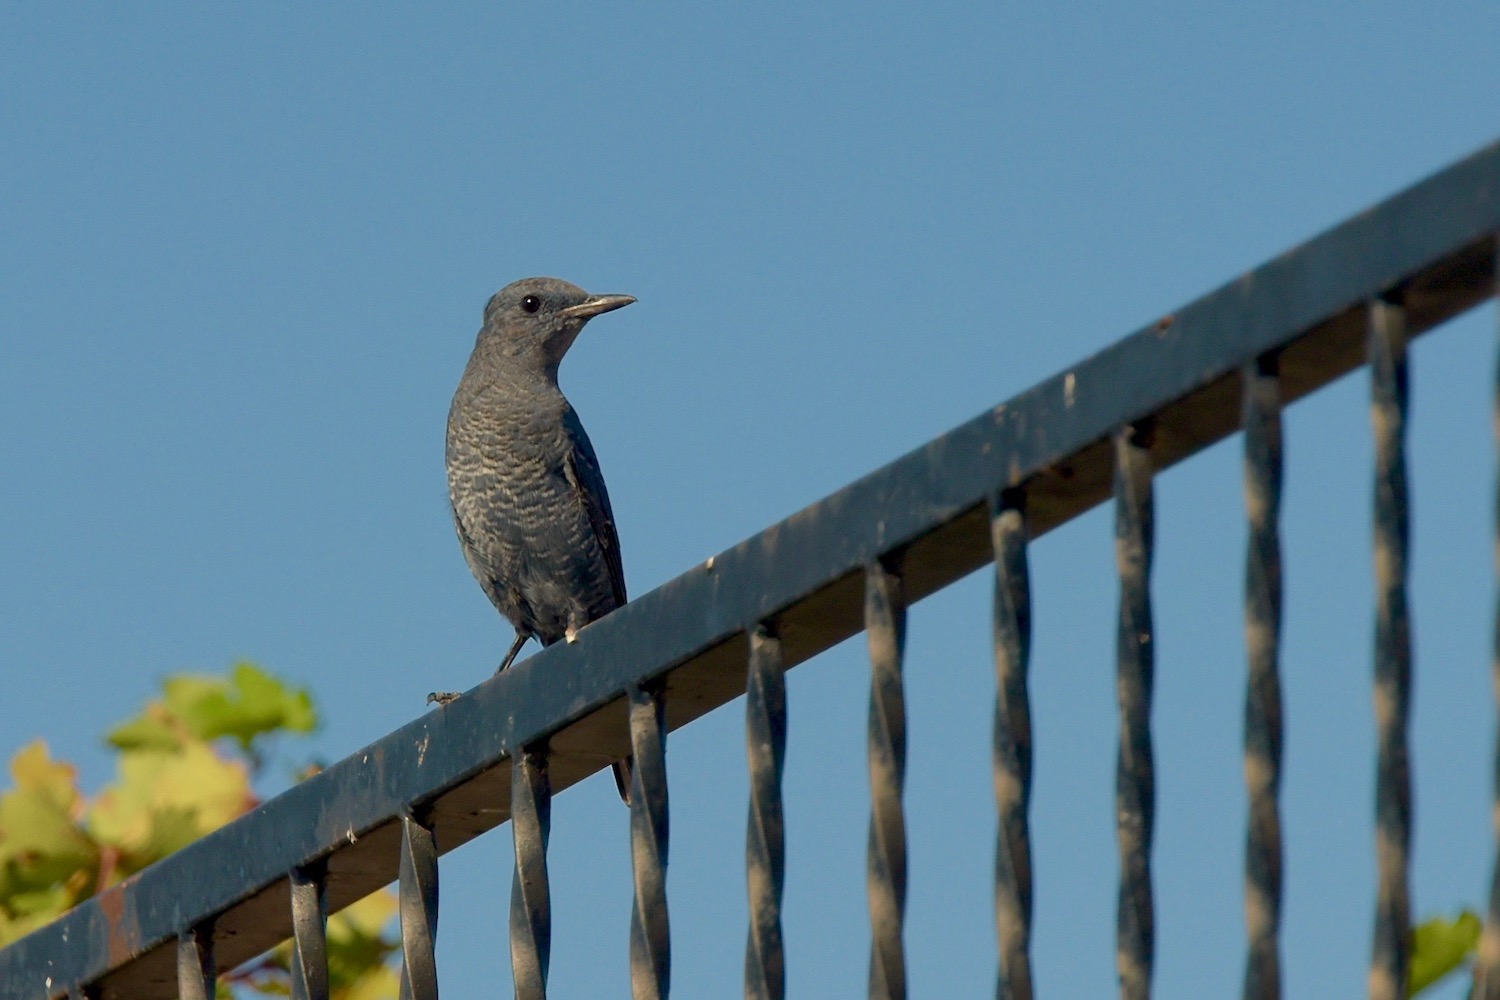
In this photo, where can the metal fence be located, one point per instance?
(979, 494)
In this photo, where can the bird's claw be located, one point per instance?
(441, 697)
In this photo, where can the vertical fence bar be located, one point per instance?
(309, 932)
(1487, 965)
(1012, 748)
(1262, 420)
(530, 891)
(650, 931)
(765, 848)
(885, 868)
(418, 904)
(1387, 346)
(196, 972)
(1135, 780)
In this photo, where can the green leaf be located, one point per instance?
(378, 982)
(164, 801)
(358, 946)
(244, 706)
(49, 902)
(40, 842)
(46, 862)
(270, 699)
(1440, 946)
(361, 939)
(176, 782)
(251, 703)
(36, 836)
(36, 771)
(41, 909)
(153, 729)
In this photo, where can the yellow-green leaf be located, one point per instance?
(1440, 946)
(368, 916)
(177, 780)
(250, 703)
(357, 945)
(36, 837)
(36, 771)
(379, 982)
(270, 698)
(49, 902)
(163, 801)
(154, 729)
(40, 842)
(39, 913)
(46, 862)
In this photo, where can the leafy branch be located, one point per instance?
(186, 765)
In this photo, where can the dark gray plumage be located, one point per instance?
(528, 497)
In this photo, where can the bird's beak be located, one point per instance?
(595, 305)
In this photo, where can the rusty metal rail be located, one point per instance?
(1348, 298)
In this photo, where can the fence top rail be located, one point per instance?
(1431, 246)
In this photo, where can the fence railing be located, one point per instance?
(1353, 296)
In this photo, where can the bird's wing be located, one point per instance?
(588, 481)
(473, 555)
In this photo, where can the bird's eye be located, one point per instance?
(531, 303)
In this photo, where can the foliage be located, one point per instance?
(1440, 946)
(187, 764)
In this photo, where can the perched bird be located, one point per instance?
(528, 497)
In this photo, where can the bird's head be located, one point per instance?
(536, 320)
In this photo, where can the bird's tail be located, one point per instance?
(622, 778)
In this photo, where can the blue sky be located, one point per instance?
(244, 252)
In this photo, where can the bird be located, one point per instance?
(528, 497)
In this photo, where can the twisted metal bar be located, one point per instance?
(1387, 346)
(650, 932)
(765, 849)
(885, 870)
(309, 932)
(1487, 964)
(1011, 754)
(1262, 420)
(1135, 780)
(418, 904)
(530, 893)
(196, 972)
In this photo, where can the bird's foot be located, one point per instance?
(443, 698)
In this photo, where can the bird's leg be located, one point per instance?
(515, 648)
(445, 697)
